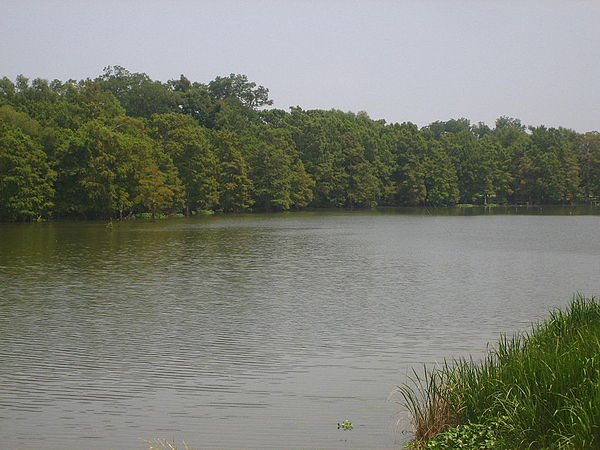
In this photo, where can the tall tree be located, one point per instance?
(474, 168)
(279, 179)
(238, 86)
(193, 99)
(155, 193)
(235, 186)
(101, 166)
(191, 150)
(554, 169)
(26, 178)
(588, 150)
(137, 93)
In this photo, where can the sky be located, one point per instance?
(402, 60)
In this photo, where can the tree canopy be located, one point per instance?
(123, 143)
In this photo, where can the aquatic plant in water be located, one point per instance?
(164, 444)
(346, 425)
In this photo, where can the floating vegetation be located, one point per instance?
(346, 425)
(164, 444)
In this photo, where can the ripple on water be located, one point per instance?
(260, 331)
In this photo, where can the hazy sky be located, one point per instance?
(413, 60)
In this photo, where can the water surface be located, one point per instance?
(258, 331)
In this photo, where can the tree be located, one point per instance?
(279, 179)
(137, 93)
(270, 160)
(238, 86)
(191, 150)
(498, 182)
(101, 165)
(364, 187)
(441, 180)
(7, 91)
(411, 167)
(97, 103)
(26, 178)
(425, 174)
(302, 185)
(155, 193)
(341, 152)
(588, 151)
(474, 168)
(235, 186)
(20, 120)
(124, 143)
(193, 99)
(553, 166)
(439, 128)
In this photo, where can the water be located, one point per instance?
(263, 331)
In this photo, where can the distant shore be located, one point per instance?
(459, 209)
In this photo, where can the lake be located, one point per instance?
(264, 330)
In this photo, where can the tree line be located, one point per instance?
(123, 144)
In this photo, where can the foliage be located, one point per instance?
(235, 185)
(238, 86)
(540, 389)
(26, 177)
(470, 436)
(155, 193)
(137, 93)
(191, 150)
(147, 215)
(123, 143)
(346, 425)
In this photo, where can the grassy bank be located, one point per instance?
(539, 389)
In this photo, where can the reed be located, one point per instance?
(539, 389)
(424, 398)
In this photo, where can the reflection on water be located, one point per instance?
(263, 330)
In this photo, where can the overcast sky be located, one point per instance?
(413, 60)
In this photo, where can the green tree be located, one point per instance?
(410, 165)
(101, 165)
(342, 153)
(302, 185)
(238, 86)
(191, 150)
(279, 179)
(137, 93)
(270, 169)
(26, 178)
(553, 166)
(441, 181)
(155, 193)
(498, 182)
(235, 186)
(425, 174)
(474, 167)
(193, 99)
(588, 150)
(364, 187)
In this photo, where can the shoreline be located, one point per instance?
(464, 209)
(536, 389)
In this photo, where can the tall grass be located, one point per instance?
(424, 398)
(539, 389)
